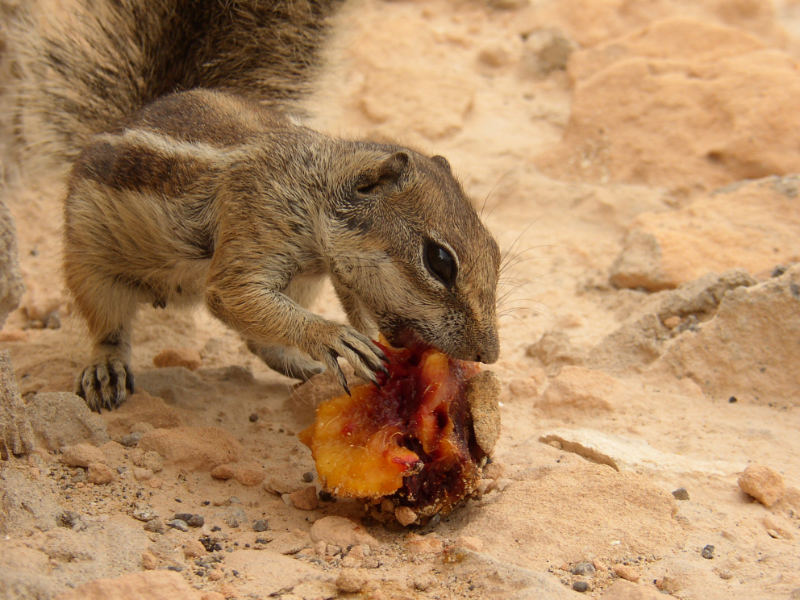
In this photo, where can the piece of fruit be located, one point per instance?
(413, 439)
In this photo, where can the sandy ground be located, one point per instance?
(634, 161)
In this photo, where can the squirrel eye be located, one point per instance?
(440, 263)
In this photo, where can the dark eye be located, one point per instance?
(440, 263)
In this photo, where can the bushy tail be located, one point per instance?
(74, 69)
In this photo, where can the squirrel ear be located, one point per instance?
(441, 161)
(387, 172)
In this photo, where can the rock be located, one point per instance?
(762, 483)
(99, 473)
(153, 585)
(751, 226)
(554, 350)
(305, 498)
(625, 572)
(195, 448)
(11, 287)
(583, 568)
(155, 525)
(149, 560)
(423, 544)
(625, 590)
(60, 418)
(178, 357)
(405, 516)
(643, 336)
(680, 494)
(341, 532)
(223, 472)
(193, 549)
(249, 474)
(260, 525)
(748, 349)
(350, 581)
(150, 459)
(578, 390)
(16, 434)
(546, 51)
(727, 109)
(624, 453)
(178, 524)
(82, 455)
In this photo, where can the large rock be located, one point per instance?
(11, 287)
(16, 436)
(657, 112)
(749, 349)
(154, 585)
(752, 226)
(594, 22)
(60, 419)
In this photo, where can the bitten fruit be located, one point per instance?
(419, 439)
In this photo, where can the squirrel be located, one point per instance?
(189, 183)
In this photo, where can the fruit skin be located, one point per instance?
(411, 439)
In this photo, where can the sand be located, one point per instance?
(637, 163)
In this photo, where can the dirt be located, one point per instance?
(638, 165)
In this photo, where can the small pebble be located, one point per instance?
(131, 440)
(680, 494)
(253, 417)
(350, 581)
(176, 568)
(583, 568)
(762, 483)
(71, 520)
(260, 525)
(308, 477)
(707, 551)
(179, 524)
(155, 525)
(100, 474)
(149, 560)
(405, 516)
(196, 521)
(305, 498)
(580, 586)
(732, 400)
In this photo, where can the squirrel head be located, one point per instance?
(413, 251)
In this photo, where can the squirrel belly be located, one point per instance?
(214, 196)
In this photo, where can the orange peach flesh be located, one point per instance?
(411, 438)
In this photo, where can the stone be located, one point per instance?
(61, 418)
(350, 581)
(751, 226)
(405, 516)
(762, 483)
(82, 455)
(625, 572)
(153, 585)
(16, 434)
(625, 590)
(341, 532)
(727, 107)
(747, 350)
(99, 473)
(178, 357)
(581, 390)
(195, 448)
(193, 549)
(305, 498)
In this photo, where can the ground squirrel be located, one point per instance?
(205, 194)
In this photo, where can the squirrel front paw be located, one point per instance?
(105, 384)
(356, 348)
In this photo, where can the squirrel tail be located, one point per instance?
(74, 70)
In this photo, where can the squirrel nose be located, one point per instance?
(490, 350)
